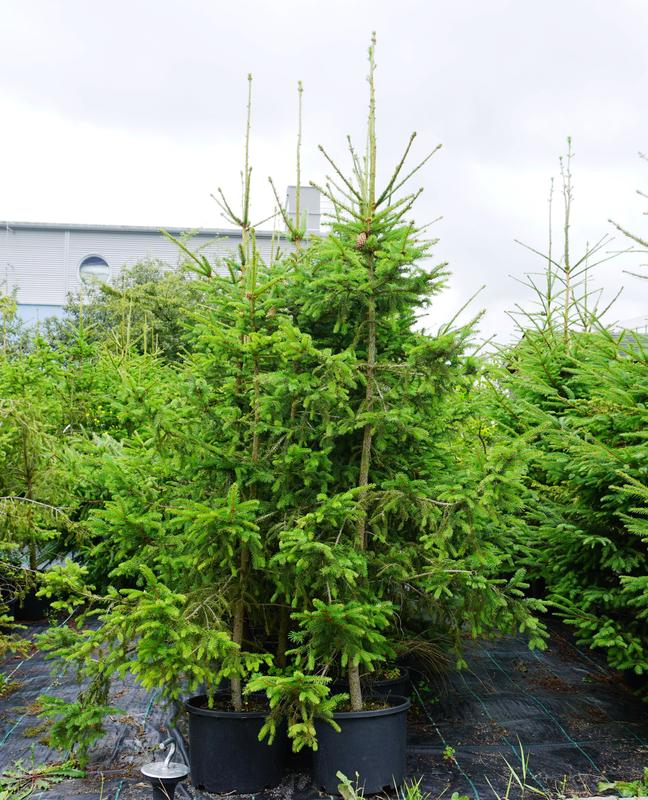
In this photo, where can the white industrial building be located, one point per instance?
(44, 262)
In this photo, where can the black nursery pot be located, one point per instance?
(31, 608)
(225, 752)
(370, 743)
(401, 686)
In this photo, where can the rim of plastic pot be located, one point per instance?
(367, 677)
(191, 705)
(404, 673)
(397, 702)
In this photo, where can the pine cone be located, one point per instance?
(361, 241)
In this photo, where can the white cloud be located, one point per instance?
(132, 112)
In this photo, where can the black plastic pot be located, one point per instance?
(300, 762)
(163, 789)
(30, 608)
(370, 743)
(226, 754)
(164, 777)
(401, 686)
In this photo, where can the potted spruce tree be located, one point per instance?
(397, 539)
(235, 353)
(215, 466)
(343, 615)
(267, 394)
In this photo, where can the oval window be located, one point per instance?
(94, 268)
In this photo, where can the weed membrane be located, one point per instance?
(564, 710)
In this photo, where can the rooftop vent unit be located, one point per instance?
(309, 207)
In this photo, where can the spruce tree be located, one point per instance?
(195, 486)
(392, 533)
(299, 493)
(574, 389)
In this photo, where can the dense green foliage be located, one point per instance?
(577, 392)
(144, 307)
(584, 399)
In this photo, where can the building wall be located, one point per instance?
(42, 261)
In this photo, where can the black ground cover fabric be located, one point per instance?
(573, 717)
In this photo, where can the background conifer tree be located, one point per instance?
(575, 390)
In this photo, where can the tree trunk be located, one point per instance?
(29, 494)
(238, 628)
(33, 558)
(282, 644)
(355, 690)
(367, 435)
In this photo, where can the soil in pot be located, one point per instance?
(225, 752)
(370, 743)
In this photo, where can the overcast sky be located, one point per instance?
(132, 112)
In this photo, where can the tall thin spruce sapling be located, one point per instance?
(260, 379)
(377, 222)
(229, 332)
(392, 541)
